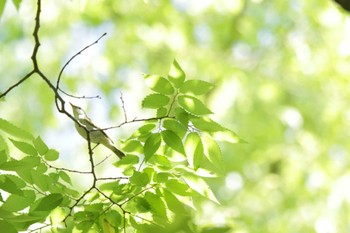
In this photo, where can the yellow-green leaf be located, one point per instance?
(176, 75)
(173, 141)
(159, 84)
(193, 105)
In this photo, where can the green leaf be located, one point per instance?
(193, 105)
(175, 126)
(16, 202)
(151, 145)
(142, 205)
(51, 155)
(161, 177)
(132, 146)
(114, 218)
(7, 227)
(155, 101)
(3, 156)
(213, 152)
(161, 160)
(139, 178)
(13, 130)
(194, 150)
(224, 229)
(173, 141)
(173, 203)
(182, 116)
(226, 136)
(159, 84)
(156, 203)
(161, 112)
(177, 187)
(48, 203)
(200, 186)
(206, 124)
(3, 147)
(65, 177)
(196, 87)
(176, 75)
(24, 147)
(40, 146)
(41, 180)
(23, 164)
(2, 6)
(17, 3)
(127, 161)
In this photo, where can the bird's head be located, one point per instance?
(78, 112)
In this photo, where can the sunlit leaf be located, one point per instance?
(193, 105)
(2, 6)
(194, 150)
(7, 227)
(200, 186)
(40, 146)
(140, 179)
(155, 101)
(18, 202)
(156, 203)
(176, 75)
(206, 124)
(132, 146)
(196, 87)
(17, 3)
(161, 112)
(64, 176)
(12, 184)
(175, 126)
(177, 187)
(114, 218)
(14, 130)
(213, 152)
(24, 147)
(173, 141)
(51, 155)
(151, 145)
(48, 202)
(159, 84)
(173, 202)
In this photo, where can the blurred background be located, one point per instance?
(281, 70)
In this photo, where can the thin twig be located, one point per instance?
(17, 84)
(123, 106)
(67, 63)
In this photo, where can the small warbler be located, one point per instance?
(97, 135)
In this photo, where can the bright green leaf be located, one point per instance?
(140, 179)
(182, 116)
(177, 187)
(48, 202)
(16, 202)
(155, 101)
(176, 75)
(7, 227)
(161, 112)
(14, 130)
(3, 156)
(151, 145)
(24, 147)
(2, 6)
(200, 186)
(141, 204)
(156, 203)
(65, 177)
(193, 105)
(194, 150)
(206, 124)
(114, 218)
(3, 146)
(175, 126)
(213, 152)
(132, 146)
(17, 3)
(226, 136)
(173, 141)
(159, 84)
(196, 87)
(51, 155)
(128, 160)
(12, 184)
(40, 146)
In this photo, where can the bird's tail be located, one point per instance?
(115, 150)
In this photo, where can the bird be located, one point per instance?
(97, 135)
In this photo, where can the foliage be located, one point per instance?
(280, 70)
(167, 161)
